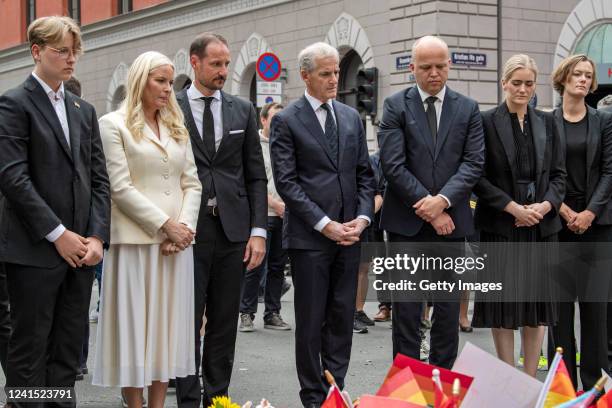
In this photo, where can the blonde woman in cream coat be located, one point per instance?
(144, 337)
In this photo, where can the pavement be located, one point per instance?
(265, 364)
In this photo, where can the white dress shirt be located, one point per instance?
(438, 105)
(197, 110)
(322, 117)
(59, 105)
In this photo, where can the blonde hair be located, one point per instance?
(170, 116)
(565, 69)
(52, 30)
(519, 61)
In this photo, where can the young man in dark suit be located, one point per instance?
(432, 154)
(322, 173)
(56, 210)
(231, 231)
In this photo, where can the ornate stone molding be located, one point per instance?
(181, 64)
(168, 17)
(119, 78)
(252, 48)
(347, 32)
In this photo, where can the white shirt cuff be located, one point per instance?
(322, 223)
(56, 233)
(259, 232)
(365, 217)
(447, 200)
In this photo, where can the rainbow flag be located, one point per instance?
(441, 400)
(605, 401)
(422, 373)
(375, 401)
(334, 399)
(583, 401)
(402, 386)
(558, 387)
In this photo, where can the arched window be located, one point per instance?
(118, 97)
(181, 82)
(350, 64)
(596, 44)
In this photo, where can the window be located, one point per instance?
(30, 11)
(124, 6)
(74, 10)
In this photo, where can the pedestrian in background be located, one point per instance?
(273, 265)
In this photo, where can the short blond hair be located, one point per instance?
(138, 75)
(565, 69)
(52, 30)
(519, 61)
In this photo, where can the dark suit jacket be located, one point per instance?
(45, 182)
(414, 168)
(498, 185)
(237, 169)
(599, 162)
(310, 182)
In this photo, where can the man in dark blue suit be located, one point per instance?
(322, 173)
(432, 153)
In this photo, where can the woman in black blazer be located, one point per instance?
(519, 197)
(587, 216)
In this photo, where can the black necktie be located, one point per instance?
(432, 120)
(208, 126)
(208, 136)
(331, 131)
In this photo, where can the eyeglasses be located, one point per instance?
(64, 53)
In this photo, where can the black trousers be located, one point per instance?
(325, 284)
(581, 272)
(5, 318)
(218, 275)
(48, 309)
(273, 266)
(406, 316)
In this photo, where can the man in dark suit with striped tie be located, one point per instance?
(322, 173)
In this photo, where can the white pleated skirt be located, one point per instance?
(145, 325)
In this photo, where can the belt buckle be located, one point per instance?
(215, 211)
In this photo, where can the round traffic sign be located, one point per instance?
(268, 66)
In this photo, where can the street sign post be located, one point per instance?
(268, 67)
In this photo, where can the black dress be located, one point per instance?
(516, 265)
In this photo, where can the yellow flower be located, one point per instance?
(223, 402)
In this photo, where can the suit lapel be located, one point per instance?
(341, 119)
(226, 117)
(538, 128)
(503, 126)
(310, 121)
(447, 116)
(415, 107)
(593, 139)
(43, 104)
(149, 134)
(196, 140)
(73, 111)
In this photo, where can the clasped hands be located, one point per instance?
(431, 210)
(345, 234)
(528, 215)
(578, 223)
(79, 251)
(179, 236)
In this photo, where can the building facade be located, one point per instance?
(481, 35)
